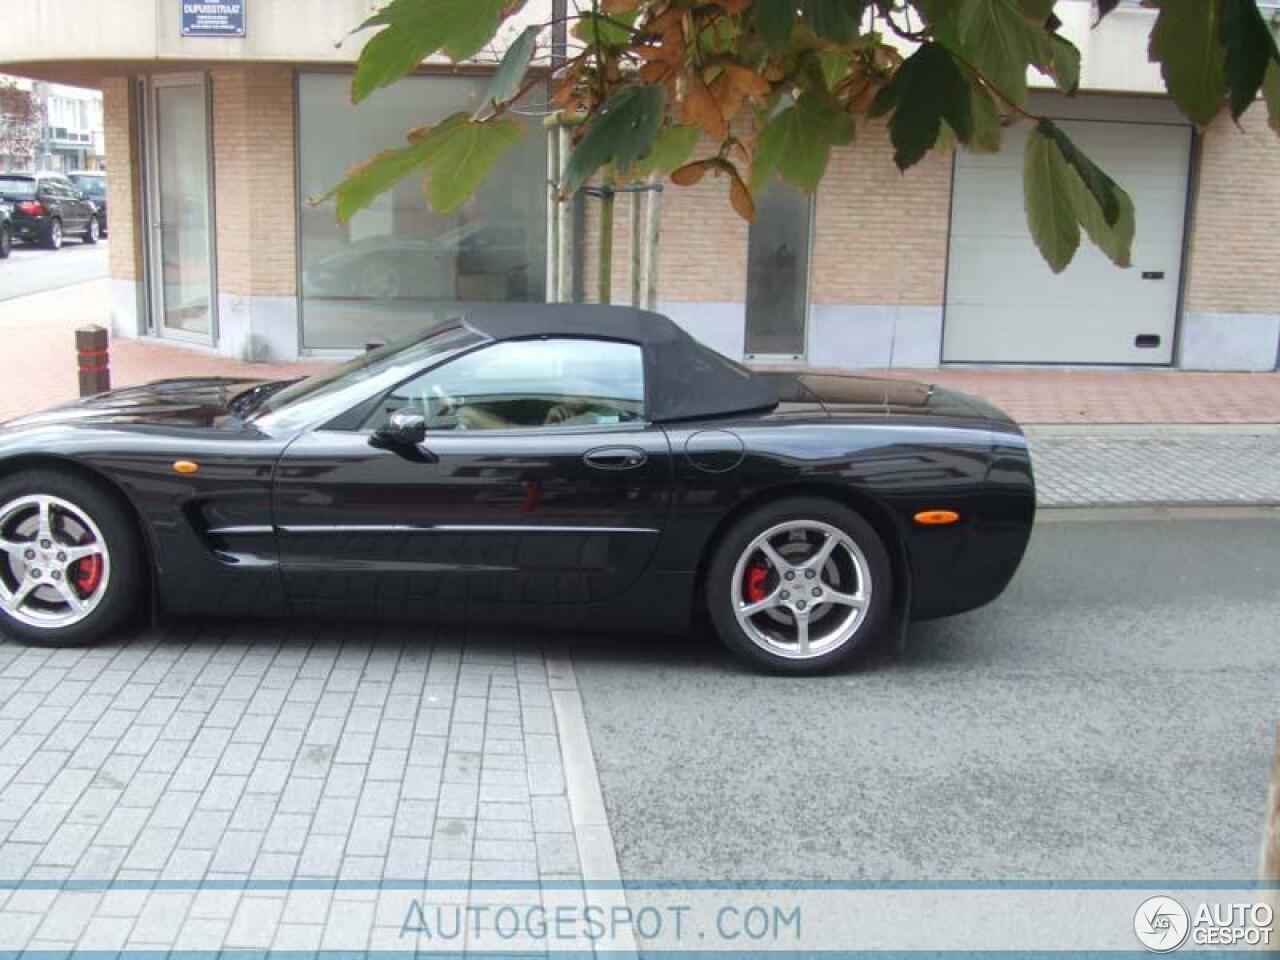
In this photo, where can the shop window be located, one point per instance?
(399, 265)
(778, 272)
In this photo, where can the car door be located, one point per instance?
(78, 203)
(527, 492)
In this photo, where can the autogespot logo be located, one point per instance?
(1161, 924)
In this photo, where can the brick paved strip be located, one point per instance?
(1156, 469)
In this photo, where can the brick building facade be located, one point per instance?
(217, 147)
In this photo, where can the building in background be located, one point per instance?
(50, 126)
(20, 124)
(219, 143)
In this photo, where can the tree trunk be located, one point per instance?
(604, 276)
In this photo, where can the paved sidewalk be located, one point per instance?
(246, 759)
(1096, 466)
(41, 371)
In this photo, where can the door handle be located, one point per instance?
(615, 458)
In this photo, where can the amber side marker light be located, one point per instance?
(185, 466)
(936, 518)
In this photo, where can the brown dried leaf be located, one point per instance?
(691, 173)
(700, 108)
(747, 80)
(655, 72)
(741, 198)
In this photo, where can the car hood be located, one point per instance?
(845, 393)
(193, 402)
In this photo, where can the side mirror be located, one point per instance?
(403, 429)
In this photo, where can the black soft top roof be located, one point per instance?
(684, 378)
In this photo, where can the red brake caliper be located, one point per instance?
(756, 577)
(89, 574)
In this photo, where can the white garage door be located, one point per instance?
(1004, 305)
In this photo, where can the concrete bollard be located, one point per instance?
(93, 359)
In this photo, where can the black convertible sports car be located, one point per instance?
(551, 465)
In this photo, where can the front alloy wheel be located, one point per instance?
(70, 561)
(56, 566)
(800, 586)
(92, 232)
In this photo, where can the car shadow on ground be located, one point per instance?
(698, 651)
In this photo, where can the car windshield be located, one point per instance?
(95, 187)
(17, 187)
(324, 396)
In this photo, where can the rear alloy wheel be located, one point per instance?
(6, 242)
(69, 560)
(53, 235)
(92, 232)
(800, 586)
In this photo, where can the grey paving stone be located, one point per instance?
(1157, 468)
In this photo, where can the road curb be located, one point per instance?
(597, 855)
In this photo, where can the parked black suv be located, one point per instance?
(6, 230)
(94, 185)
(47, 208)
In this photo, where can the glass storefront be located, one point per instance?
(398, 265)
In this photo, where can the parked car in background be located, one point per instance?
(94, 185)
(47, 208)
(6, 230)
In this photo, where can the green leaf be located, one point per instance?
(1047, 184)
(413, 30)
(464, 155)
(1001, 38)
(672, 148)
(1104, 190)
(987, 129)
(1271, 90)
(774, 20)
(1115, 240)
(1249, 48)
(1184, 41)
(928, 88)
(623, 132)
(510, 73)
(1064, 63)
(1059, 200)
(613, 31)
(834, 65)
(457, 154)
(836, 20)
(797, 142)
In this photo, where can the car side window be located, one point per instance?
(523, 384)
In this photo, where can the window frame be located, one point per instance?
(354, 420)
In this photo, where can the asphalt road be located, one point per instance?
(1111, 717)
(33, 269)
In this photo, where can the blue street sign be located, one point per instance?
(213, 18)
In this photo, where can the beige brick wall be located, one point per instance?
(1234, 264)
(124, 183)
(253, 147)
(703, 251)
(880, 236)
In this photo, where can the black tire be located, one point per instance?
(91, 231)
(127, 559)
(720, 585)
(53, 235)
(6, 241)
